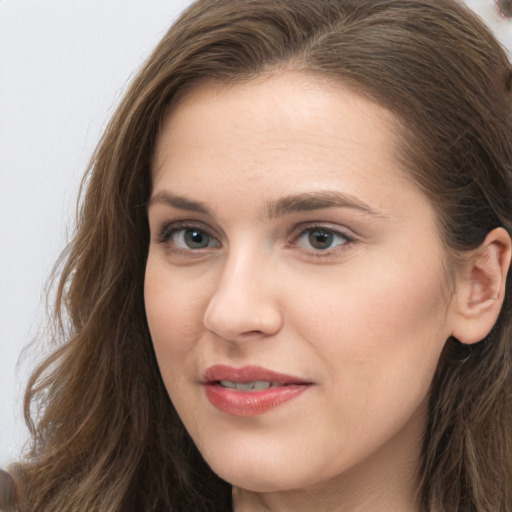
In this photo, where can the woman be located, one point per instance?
(288, 287)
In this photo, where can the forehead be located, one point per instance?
(301, 132)
(283, 109)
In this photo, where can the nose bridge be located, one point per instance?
(245, 300)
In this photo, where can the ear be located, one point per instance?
(480, 288)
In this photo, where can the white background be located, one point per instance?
(63, 67)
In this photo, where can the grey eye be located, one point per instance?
(192, 238)
(321, 239)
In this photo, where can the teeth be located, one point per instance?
(260, 384)
(256, 385)
(228, 384)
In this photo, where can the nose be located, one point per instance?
(245, 302)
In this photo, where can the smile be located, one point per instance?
(256, 385)
(251, 390)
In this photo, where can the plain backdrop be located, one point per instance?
(63, 67)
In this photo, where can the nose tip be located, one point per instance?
(243, 307)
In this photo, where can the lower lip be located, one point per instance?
(251, 403)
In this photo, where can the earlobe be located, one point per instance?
(480, 289)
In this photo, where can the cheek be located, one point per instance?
(378, 328)
(376, 305)
(174, 314)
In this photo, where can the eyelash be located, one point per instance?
(170, 230)
(323, 253)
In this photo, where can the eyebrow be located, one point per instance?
(316, 201)
(179, 202)
(295, 203)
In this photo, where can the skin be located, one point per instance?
(364, 319)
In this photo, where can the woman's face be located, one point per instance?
(288, 248)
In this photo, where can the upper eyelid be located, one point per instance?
(165, 232)
(176, 225)
(329, 252)
(308, 226)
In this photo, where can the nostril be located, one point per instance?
(252, 333)
(242, 322)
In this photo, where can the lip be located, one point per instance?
(250, 403)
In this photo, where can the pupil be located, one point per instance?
(321, 239)
(195, 239)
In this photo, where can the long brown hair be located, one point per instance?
(105, 434)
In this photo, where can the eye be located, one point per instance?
(189, 238)
(321, 239)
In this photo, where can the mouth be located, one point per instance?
(251, 390)
(255, 385)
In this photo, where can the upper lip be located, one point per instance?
(249, 373)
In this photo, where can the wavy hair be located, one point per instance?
(105, 436)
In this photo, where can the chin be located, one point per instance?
(256, 479)
(264, 475)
